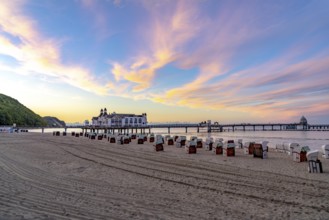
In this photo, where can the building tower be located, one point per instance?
(303, 122)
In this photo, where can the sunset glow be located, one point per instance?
(187, 61)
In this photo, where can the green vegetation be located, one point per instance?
(11, 111)
(54, 122)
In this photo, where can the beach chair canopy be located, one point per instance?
(219, 144)
(192, 144)
(305, 149)
(209, 140)
(325, 148)
(264, 145)
(293, 145)
(325, 151)
(229, 144)
(312, 155)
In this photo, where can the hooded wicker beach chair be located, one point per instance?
(191, 147)
(209, 143)
(314, 164)
(159, 141)
(218, 146)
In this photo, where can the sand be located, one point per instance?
(48, 177)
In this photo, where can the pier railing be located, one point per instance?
(203, 126)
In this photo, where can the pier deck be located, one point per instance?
(202, 127)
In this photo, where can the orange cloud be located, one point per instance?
(168, 34)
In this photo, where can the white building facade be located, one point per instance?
(119, 120)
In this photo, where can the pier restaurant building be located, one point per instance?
(119, 120)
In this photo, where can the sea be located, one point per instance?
(313, 139)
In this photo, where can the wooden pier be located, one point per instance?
(207, 127)
(201, 127)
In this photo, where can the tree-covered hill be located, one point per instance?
(11, 111)
(54, 122)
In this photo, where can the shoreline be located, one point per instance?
(313, 139)
(96, 179)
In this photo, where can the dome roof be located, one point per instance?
(105, 112)
(303, 120)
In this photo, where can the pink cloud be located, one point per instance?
(286, 92)
(168, 33)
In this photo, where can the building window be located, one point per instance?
(131, 120)
(139, 120)
(126, 121)
(135, 120)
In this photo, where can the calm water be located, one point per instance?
(313, 139)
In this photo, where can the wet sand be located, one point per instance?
(48, 177)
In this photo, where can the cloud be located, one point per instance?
(166, 37)
(213, 41)
(36, 53)
(272, 90)
(230, 47)
(187, 38)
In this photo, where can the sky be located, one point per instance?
(229, 61)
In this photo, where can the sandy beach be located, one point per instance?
(49, 177)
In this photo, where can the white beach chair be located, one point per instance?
(265, 149)
(280, 148)
(246, 147)
(314, 164)
(178, 142)
(209, 143)
(291, 147)
(119, 139)
(325, 151)
(182, 140)
(159, 139)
